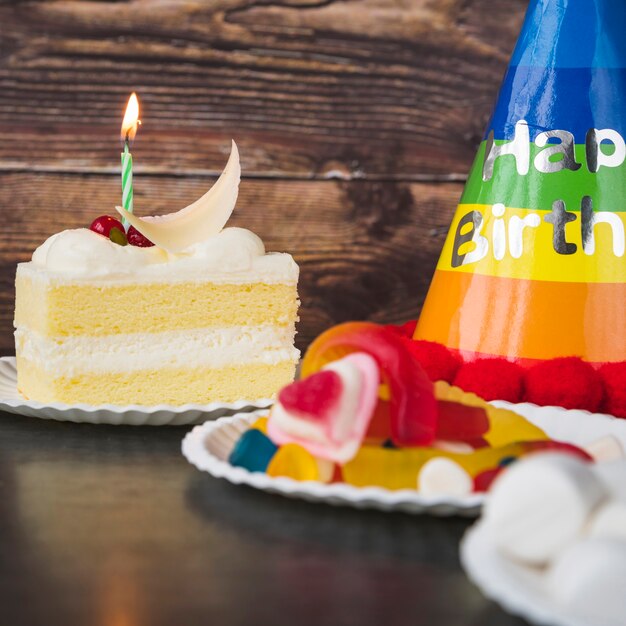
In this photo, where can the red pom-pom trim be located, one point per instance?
(614, 378)
(436, 360)
(404, 330)
(568, 382)
(492, 379)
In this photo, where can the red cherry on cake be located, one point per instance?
(104, 224)
(111, 228)
(135, 238)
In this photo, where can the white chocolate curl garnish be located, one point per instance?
(197, 222)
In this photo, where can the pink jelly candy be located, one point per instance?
(329, 412)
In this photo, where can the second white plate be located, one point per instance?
(519, 589)
(134, 415)
(572, 426)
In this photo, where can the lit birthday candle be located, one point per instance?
(129, 129)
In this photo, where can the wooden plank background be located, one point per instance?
(357, 121)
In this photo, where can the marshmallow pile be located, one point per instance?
(566, 517)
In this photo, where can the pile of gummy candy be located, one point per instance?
(365, 413)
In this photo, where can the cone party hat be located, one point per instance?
(534, 265)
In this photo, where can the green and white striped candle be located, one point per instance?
(127, 181)
(129, 130)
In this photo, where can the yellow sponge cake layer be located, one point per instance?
(56, 309)
(171, 386)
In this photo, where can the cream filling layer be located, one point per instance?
(213, 348)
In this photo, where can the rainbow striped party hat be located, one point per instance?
(534, 265)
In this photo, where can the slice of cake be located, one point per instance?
(98, 322)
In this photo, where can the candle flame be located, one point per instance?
(131, 119)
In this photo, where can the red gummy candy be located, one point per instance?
(568, 382)
(477, 443)
(379, 429)
(484, 480)
(314, 396)
(337, 474)
(614, 377)
(438, 362)
(459, 422)
(412, 406)
(556, 446)
(492, 379)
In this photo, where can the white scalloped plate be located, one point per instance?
(519, 589)
(572, 426)
(134, 415)
(208, 447)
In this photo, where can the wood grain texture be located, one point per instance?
(365, 249)
(310, 88)
(357, 121)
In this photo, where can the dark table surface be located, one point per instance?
(110, 526)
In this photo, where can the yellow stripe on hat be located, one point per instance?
(559, 245)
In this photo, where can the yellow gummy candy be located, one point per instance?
(398, 469)
(507, 427)
(293, 461)
(383, 467)
(260, 424)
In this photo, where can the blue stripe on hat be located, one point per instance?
(573, 33)
(572, 99)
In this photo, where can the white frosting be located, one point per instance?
(234, 255)
(208, 347)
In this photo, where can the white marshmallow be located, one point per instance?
(604, 450)
(442, 476)
(609, 522)
(589, 580)
(541, 504)
(613, 475)
(456, 447)
(326, 469)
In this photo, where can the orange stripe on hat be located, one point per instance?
(525, 319)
